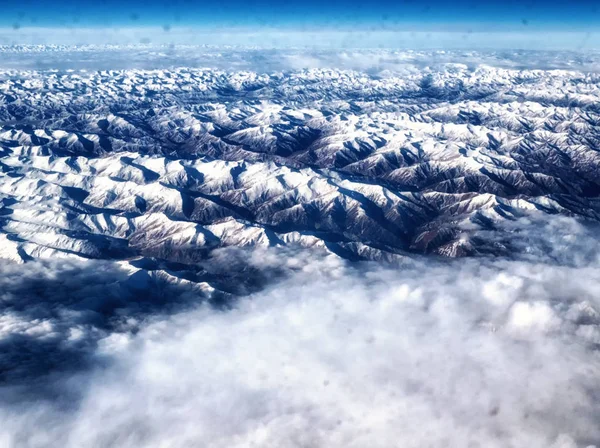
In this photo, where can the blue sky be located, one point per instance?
(447, 24)
(462, 15)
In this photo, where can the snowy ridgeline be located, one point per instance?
(368, 165)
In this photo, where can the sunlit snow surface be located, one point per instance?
(227, 247)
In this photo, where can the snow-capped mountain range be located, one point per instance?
(173, 163)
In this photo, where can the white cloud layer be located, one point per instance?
(242, 54)
(488, 353)
(286, 38)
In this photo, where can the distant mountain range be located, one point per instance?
(169, 164)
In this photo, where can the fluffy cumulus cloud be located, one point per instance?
(472, 352)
